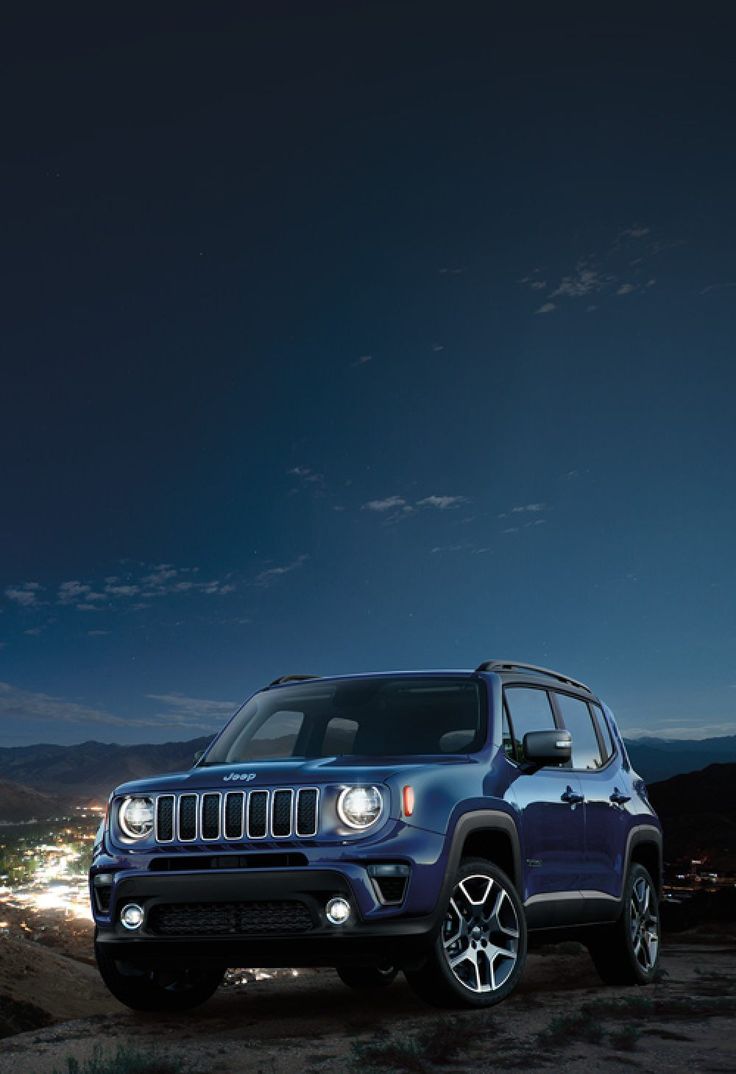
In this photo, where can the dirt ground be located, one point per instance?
(560, 1017)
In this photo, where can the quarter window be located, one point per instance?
(586, 751)
(507, 738)
(530, 710)
(602, 722)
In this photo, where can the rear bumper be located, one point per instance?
(400, 936)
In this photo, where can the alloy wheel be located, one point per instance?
(480, 934)
(644, 923)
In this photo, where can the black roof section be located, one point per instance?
(532, 669)
(292, 678)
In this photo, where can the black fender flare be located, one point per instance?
(646, 833)
(479, 820)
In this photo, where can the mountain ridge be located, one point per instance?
(89, 770)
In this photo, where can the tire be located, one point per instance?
(156, 990)
(479, 954)
(627, 953)
(367, 978)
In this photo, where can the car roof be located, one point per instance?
(507, 670)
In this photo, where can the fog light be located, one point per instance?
(131, 916)
(337, 910)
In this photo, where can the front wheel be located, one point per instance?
(366, 978)
(479, 955)
(628, 952)
(156, 990)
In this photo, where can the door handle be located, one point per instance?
(571, 797)
(618, 798)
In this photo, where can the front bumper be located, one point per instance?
(400, 937)
(373, 932)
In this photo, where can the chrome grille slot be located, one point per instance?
(257, 815)
(188, 818)
(233, 818)
(210, 816)
(165, 818)
(306, 811)
(281, 808)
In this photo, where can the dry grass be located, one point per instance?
(417, 1054)
(124, 1060)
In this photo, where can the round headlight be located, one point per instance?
(136, 817)
(359, 807)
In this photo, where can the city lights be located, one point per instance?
(43, 866)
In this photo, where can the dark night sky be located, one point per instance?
(344, 337)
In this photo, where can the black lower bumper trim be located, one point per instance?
(357, 948)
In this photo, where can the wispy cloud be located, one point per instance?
(399, 504)
(30, 706)
(362, 360)
(122, 590)
(26, 594)
(75, 591)
(194, 712)
(390, 503)
(442, 503)
(307, 476)
(144, 582)
(716, 287)
(471, 549)
(272, 574)
(520, 510)
(583, 281)
(607, 273)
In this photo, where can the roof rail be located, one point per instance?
(292, 678)
(514, 665)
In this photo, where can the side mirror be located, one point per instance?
(197, 756)
(547, 747)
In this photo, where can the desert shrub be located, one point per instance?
(125, 1060)
(567, 1028)
(625, 1039)
(417, 1053)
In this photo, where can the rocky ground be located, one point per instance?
(561, 1017)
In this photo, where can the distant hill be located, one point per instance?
(91, 769)
(660, 758)
(19, 803)
(698, 814)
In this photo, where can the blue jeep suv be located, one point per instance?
(436, 823)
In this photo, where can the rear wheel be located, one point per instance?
(628, 952)
(156, 990)
(479, 955)
(367, 978)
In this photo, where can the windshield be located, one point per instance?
(376, 717)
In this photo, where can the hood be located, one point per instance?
(288, 773)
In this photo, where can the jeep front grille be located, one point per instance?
(237, 815)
